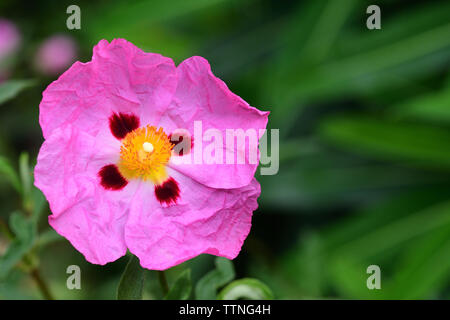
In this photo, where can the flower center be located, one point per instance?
(144, 154)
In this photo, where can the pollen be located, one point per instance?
(144, 154)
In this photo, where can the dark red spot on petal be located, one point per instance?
(121, 124)
(181, 148)
(111, 179)
(168, 192)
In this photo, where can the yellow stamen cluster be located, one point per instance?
(144, 154)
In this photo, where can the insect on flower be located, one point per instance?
(108, 163)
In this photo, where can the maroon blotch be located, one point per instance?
(111, 179)
(121, 124)
(168, 192)
(180, 139)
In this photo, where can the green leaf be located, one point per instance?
(431, 106)
(424, 269)
(47, 237)
(380, 214)
(418, 144)
(349, 278)
(305, 265)
(311, 174)
(8, 171)
(316, 24)
(132, 281)
(151, 12)
(12, 88)
(21, 226)
(246, 288)
(182, 287)
(380, 240)
(25, 234)
(147, 15)
(207, 286)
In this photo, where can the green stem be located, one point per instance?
(163, 282)
(43, 288)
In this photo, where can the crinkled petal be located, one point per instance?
(204, 220)
(120, 78)
(89, 216)
(200, 96)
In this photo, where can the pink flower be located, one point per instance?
(55, 54)
(108, 166)
(9, 38)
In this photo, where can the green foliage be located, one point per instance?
(25, 173)
(147, 15)
(423, 269)
(182, 287)
(132, 281)
(431, 107)
(364, 146)
(24, 235)
(416, 143)
(365, 60)
(9, 173)
(207, 286)
(11, 88)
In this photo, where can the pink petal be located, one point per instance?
(120, 78)
(204, 220)
(200, 96)
(89, 216)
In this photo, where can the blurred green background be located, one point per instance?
(364, 118)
